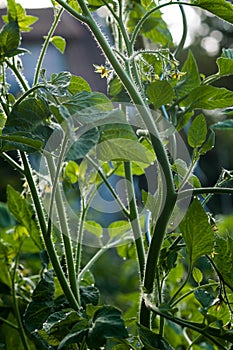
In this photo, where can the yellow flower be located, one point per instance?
(177, 75)
(104, 71)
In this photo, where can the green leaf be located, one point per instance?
(41, 306)
(59, 43)
(76, 335)
(17, 13)
(151, 340)
(205, 299)
(21, 141)
(78, 84)
(209, 97)
(24, 214)
(154, 28)
(71, 172)
(197, 275)
(59, 320)
(58, 324)
(88, 279)
(219, 8)
(83, 145)
(122, 149)
(223, 258)
(223, 126)
(197, 231)
(9, 40)
(160, 93)
(7, 253)
(6, 219)
(190, 80)
(115, 87)
(93, 227)
(225, 66)
(95, 4)
(58, 83)
(208, 145)
(197, 132)
(107, 323)
(86, 99)
(227, 53)
(146, 3)
(27, 115)
(118, 228)
(89, 295)
(180, 168)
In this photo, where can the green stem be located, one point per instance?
(205, 190)
(47, 239)
(181, 286)
(188, 174)
(8, 323)
(16, 307)
(18, 75)
(149, 13)
(99, 253)
(78, 252)
(28, 92)
(219, 183)
(45, 46)
(134, 218)
(154, 252)
(185, 31)
(12, 162)
(54, 173)
(111, 189)
(192, 291)
(200, 328)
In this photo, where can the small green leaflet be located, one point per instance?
(59, 43)
(197, 132)
(191, 79)
(83, 145)
(9, 41)
(151, 340)
(41, 306)
(94, 228)
(17, 13)
(160, 93)
(209, 97)
(220, 8)
(223, 258)
(223, 126)
(70, 172)
(78, 84)
(24, 214)
(197, 231)
(107, 323)
(225, 65)
(208, 145)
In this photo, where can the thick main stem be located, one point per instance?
(134, 218)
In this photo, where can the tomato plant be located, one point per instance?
(71, 142)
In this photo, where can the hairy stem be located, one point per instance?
(63, 222)
(45, 46)
(47, 238)
(134, 218)
(16, 306)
